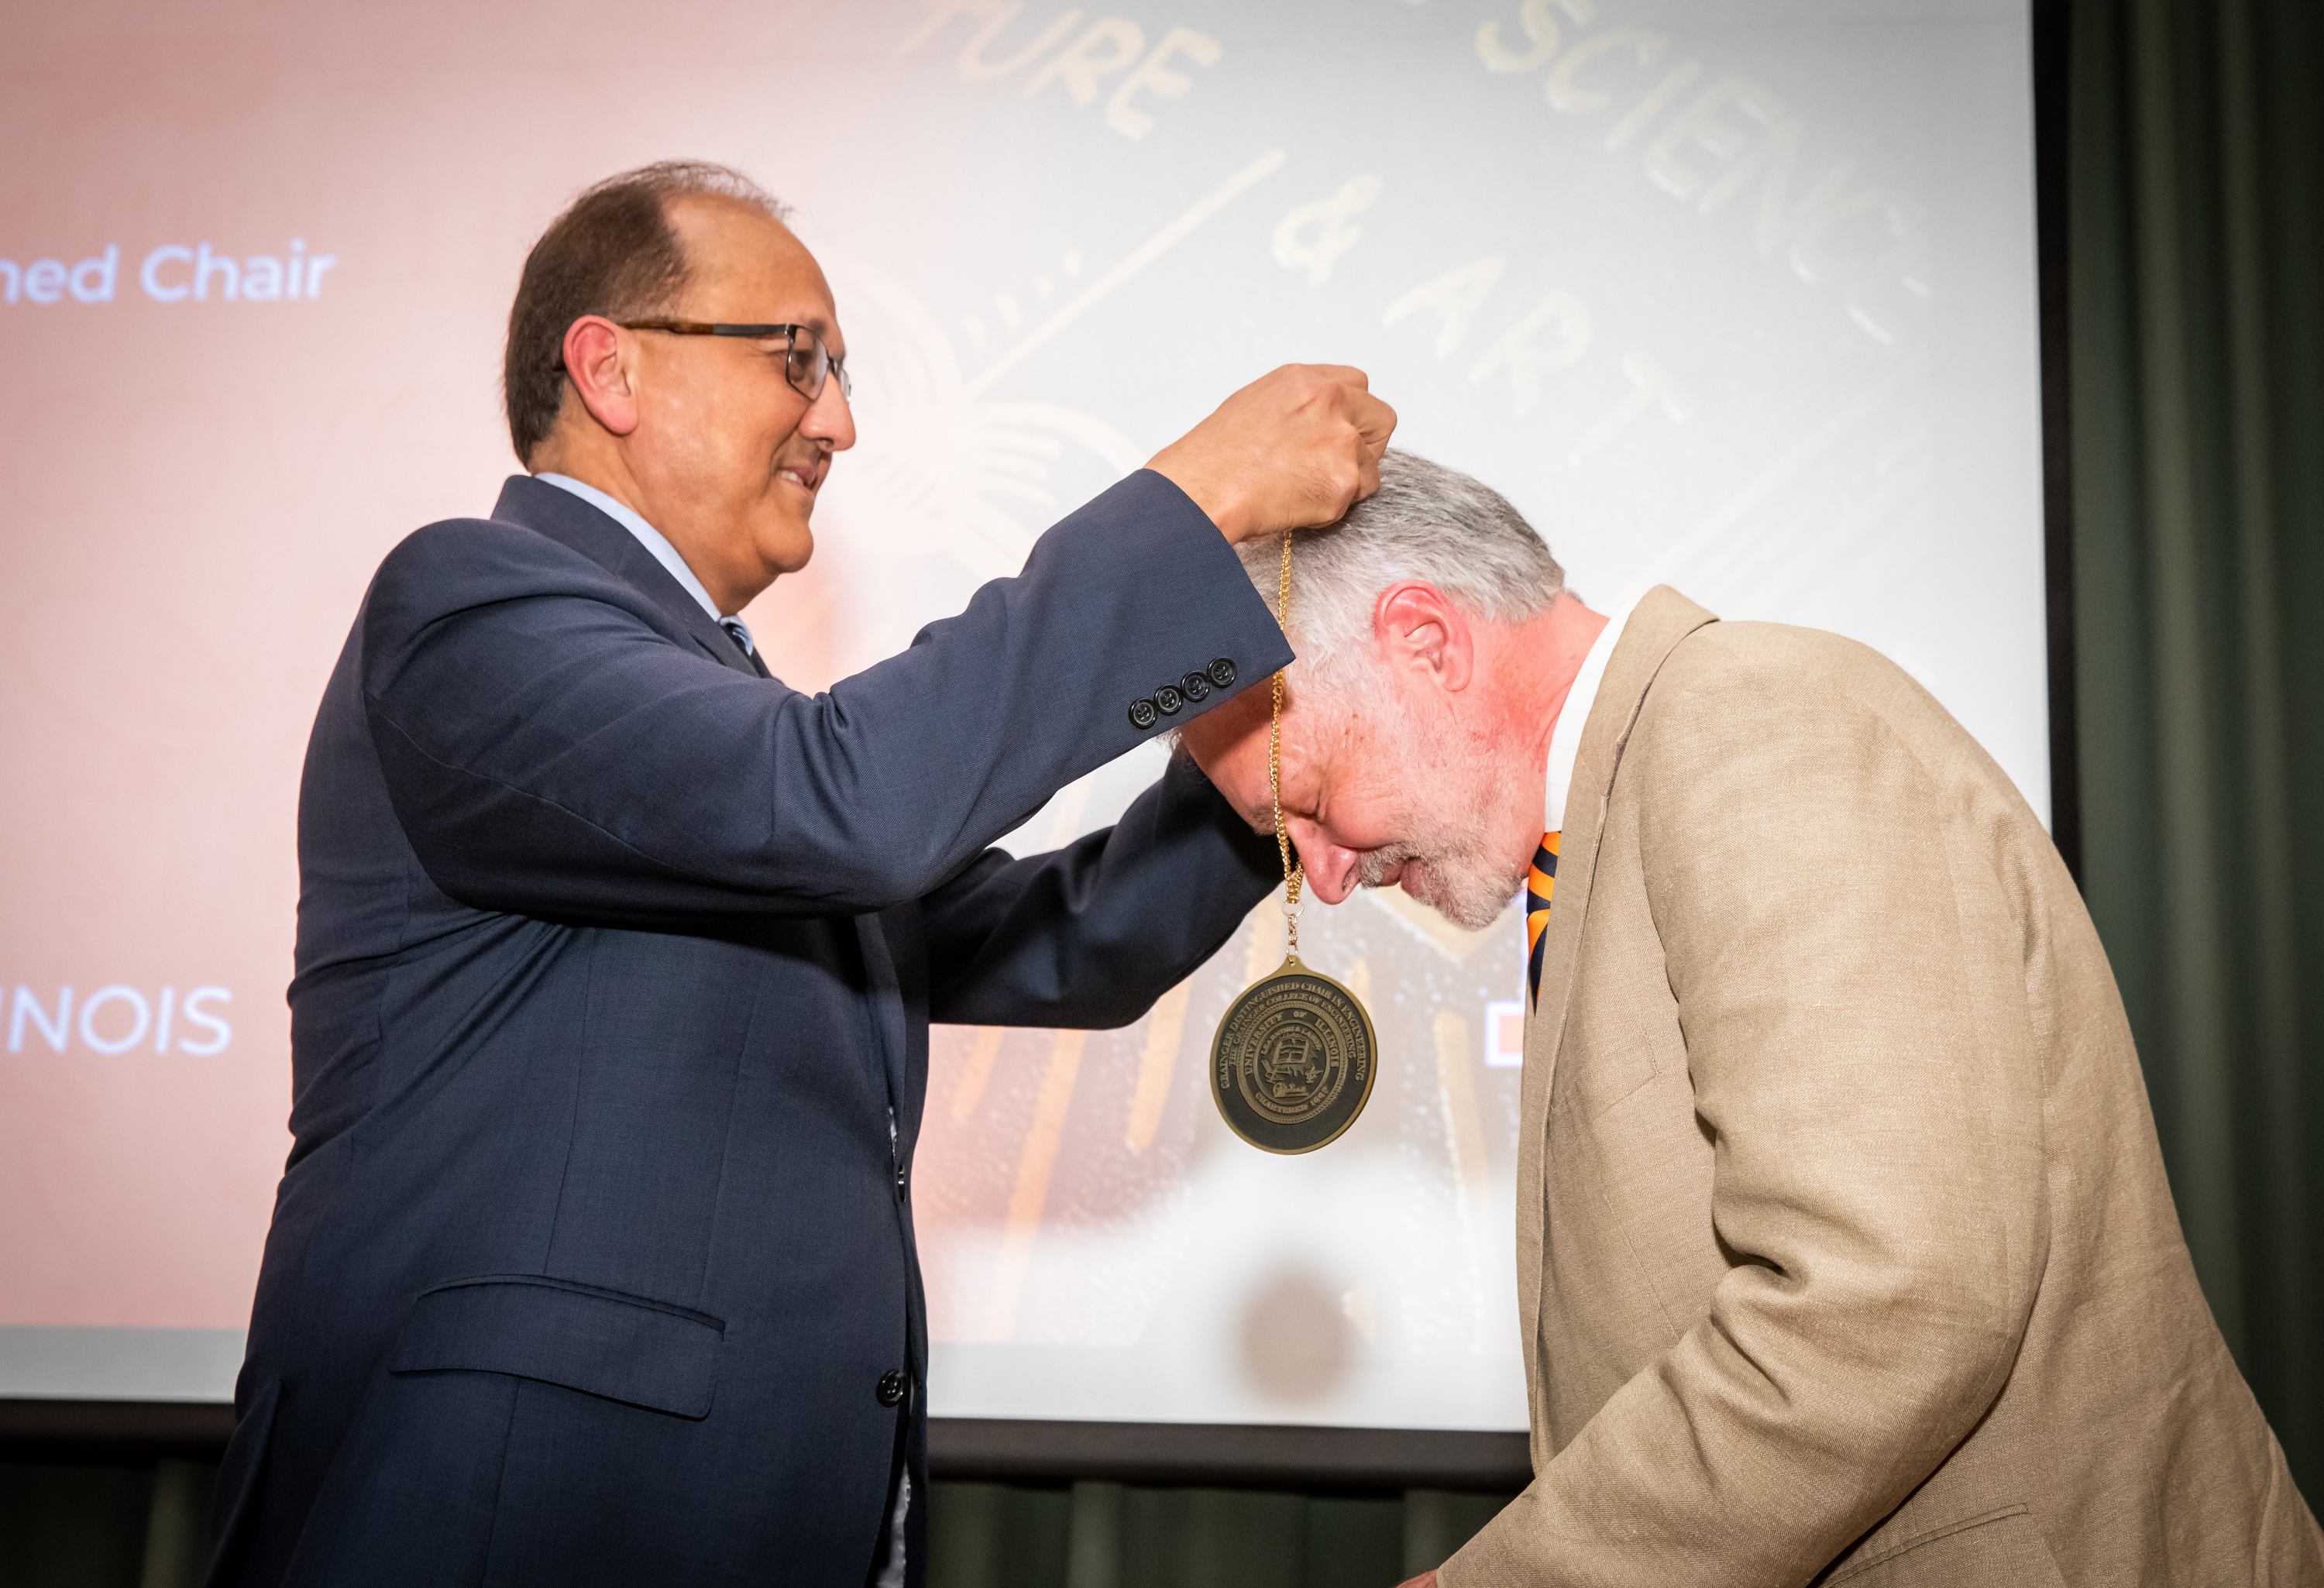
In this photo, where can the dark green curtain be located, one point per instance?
(98, 1524)
(2197, 248)
(1112, 1535)
(105, 1524)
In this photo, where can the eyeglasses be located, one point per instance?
(806, 360)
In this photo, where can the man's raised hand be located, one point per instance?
(1296, 447)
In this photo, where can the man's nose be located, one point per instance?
(830, 418)
(1330, 869)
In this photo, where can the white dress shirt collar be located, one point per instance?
(651, 540)
(1565, 738)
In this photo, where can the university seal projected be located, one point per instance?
(1293, 1063)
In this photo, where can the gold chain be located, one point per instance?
(1292, 876)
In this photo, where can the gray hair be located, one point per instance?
(1427, 523)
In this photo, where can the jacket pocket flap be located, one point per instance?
(598, 1341)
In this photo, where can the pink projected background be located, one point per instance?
(1741, 305)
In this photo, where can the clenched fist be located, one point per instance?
(1294, 448)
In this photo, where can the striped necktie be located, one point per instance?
(1541, 882)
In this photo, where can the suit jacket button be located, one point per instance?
(891, 1388)
(1167, 699)
(1197, 686)
(1142, 715)
(1222, 672)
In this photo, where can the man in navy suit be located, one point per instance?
(593, 1260)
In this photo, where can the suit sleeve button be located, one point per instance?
(891, 1387)
(1167, 701)
(1197, 686)
(1222, 672)
(1142, 715)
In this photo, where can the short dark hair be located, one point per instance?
(614, 253)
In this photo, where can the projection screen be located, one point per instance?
(1738, 299)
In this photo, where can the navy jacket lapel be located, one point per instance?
(570, 521)
(887, 1007)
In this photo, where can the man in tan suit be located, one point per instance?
(1844, 1248)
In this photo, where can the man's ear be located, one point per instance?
(601, 363)
(1417, 625)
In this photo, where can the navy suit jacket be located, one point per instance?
(616, 960)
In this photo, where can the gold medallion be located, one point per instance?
(1293, 1063)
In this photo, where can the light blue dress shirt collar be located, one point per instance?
(651, 540)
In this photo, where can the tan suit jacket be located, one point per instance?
(1844, 1249)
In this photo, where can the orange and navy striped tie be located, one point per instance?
(1541, 882)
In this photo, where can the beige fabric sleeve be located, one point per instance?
(1851, 988)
